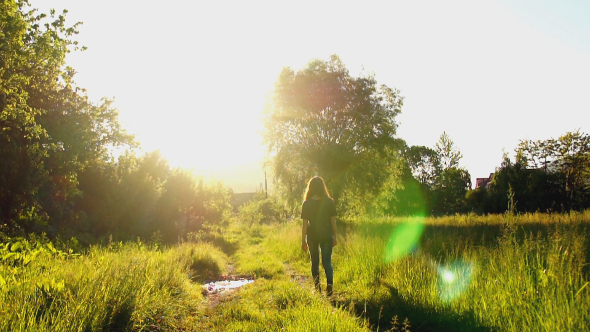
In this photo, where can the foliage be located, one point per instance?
(532, 189)
(423, 163)
(548, 175)
(447, 154)
(261, 211)
(568, 157)
(450, 191)
(452, 182)
(49, 130)
(188, 202)
(441, 184)
(138, 196)
(380, 189)
(477, 200)
(57, 170)
(320, 120)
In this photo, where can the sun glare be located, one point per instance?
(454, 279)
(448, 276)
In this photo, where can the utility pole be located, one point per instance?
(265, 185)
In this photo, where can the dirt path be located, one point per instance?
(215, 292)
(303, 281)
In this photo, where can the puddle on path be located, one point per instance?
(223, 285)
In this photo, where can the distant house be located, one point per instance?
(483, 182)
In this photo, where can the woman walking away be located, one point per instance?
(319, 226)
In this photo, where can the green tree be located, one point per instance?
(187, 203)
(139, 186)
(320, 120)
(567, 158)
(376, 184)
(530, 189)
(451, 182)
(49, 130)
(447, 153)
(536, 154)
(21, 165)
(450, 191)
(99, 184)
(477, 200)
(573, 161)
(424, 163)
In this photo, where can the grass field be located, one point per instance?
(462, 273)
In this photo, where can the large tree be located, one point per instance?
(49, 131)
(320, 120)
(21, 165)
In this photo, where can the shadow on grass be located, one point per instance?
(118, 316)
(229, 248)
(381, 315)
(204, 270)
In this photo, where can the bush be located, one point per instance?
(263, 211)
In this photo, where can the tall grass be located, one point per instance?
(125, 287)
(465, 273)
(279, 305)
(515, 273)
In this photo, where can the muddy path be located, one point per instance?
(216, 291)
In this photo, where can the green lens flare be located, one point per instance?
(404, 238)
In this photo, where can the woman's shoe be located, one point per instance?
(318, 288)
(329, 290)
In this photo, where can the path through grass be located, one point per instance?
(464, 273)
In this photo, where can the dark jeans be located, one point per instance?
(325, 245)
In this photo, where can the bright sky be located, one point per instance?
(190, 78)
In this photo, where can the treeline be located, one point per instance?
(143, 196)
(550, 175)
(322, 121)
(57, 170)
(59, 175)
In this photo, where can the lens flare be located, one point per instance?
(403, 240)
(448, 276)
(454, 279)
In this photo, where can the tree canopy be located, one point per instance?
(321, 120)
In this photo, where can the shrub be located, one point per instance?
(263, 211)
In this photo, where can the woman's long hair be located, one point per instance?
(316, 186)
